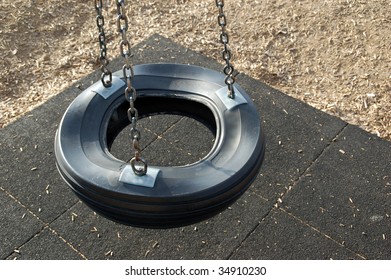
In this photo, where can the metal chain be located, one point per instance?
(224, 39)
(130, 91)
(106, 77)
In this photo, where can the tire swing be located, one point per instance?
(134, 193)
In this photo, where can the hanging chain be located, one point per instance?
(224, 39)
(130, 91)
(106, 77)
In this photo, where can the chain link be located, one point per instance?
(226, 54)
(106, 77)
(138, 163)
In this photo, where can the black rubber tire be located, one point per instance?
(181, 195)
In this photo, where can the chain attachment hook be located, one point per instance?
(138, 163)
(141, 168)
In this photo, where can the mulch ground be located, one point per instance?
(334, 55)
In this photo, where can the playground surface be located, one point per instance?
(323, 191)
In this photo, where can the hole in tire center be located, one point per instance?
(166, 140)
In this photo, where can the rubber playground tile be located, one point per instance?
(283, 237)
(157, 150)
(296, 134)
(99, 238)
(346, 194)
(159, 124)
(27, 173)
(17, 225)
(27, 161)
(122, 147)
(151, 128)
(45, 246)
(163, 153)
(192, 137)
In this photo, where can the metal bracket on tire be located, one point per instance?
(148, 180)
(230, 103)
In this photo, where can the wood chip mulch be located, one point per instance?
(334, 55)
